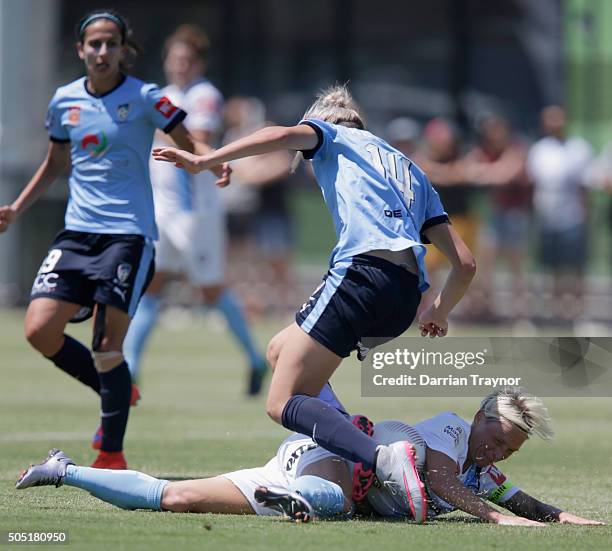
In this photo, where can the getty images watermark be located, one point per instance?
(472, 367)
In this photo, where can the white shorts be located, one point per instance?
(192, 243)
(295, 454)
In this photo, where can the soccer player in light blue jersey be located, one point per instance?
(384, 208)
(101, 125)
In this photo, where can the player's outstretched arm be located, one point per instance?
(524, 505)
(55, 162)
(434, 320)
(197, 145)
(266, 140)
(442, 480)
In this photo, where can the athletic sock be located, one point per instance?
(75, 359)
(328, 396)
(230, 308)
(325, 497)
(329, 428)
(140, 329)
(116, 389)
(125, 489)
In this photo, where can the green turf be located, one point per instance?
(194, 421)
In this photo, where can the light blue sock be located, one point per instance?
(237, 323)
(138, 334)
(125, 489)
(326, 498)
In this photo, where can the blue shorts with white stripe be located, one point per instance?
(360, 297)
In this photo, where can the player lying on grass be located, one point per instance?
(455, 458)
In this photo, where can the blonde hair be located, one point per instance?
(335, 105)
(525, 411)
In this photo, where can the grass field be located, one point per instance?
(193, 421)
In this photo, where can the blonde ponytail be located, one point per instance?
(336, 105)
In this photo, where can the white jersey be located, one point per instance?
(446, 432)
(558, 170)
(449, 434)
(175, 190)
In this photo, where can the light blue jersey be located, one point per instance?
(110, 143)
(377, 197)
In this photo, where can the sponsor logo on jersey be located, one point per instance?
(96, 144)
(123, 111)
(297, 454)
(74, 116)
(165, 107)
(454, 432)
(397, 213)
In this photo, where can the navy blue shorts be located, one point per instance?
(88, 268)
(363, 298)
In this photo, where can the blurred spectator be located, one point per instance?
(558, 167)
(499, 160)
(403, 133)
(264, 181)
(440, 158)
(242, 116)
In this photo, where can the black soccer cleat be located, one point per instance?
(291, 504)
(256, 377)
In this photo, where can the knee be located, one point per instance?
(175, 498)
(105, 360)
(42, 338)
(275, 408)
(272, 353)
(107, 355)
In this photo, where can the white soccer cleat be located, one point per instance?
(396, 470)
(50, 472)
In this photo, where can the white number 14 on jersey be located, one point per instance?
(397, 167)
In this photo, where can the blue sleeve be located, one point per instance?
(53, 122)
(434, 211)
(160, 110)
(326, 134)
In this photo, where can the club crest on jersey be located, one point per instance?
(74, 116)
(166, 107)
(123, 272)
(123, 111)
(96, 144)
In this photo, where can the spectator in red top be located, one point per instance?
(499, 161)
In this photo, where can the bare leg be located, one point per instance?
(303, 367)
(205, 495)
(45, 321)
(276, 345)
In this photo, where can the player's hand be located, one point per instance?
(222, 172)
(7, 216)
(568, 518)
(432, 324)
(182, 159)
(507, 520)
